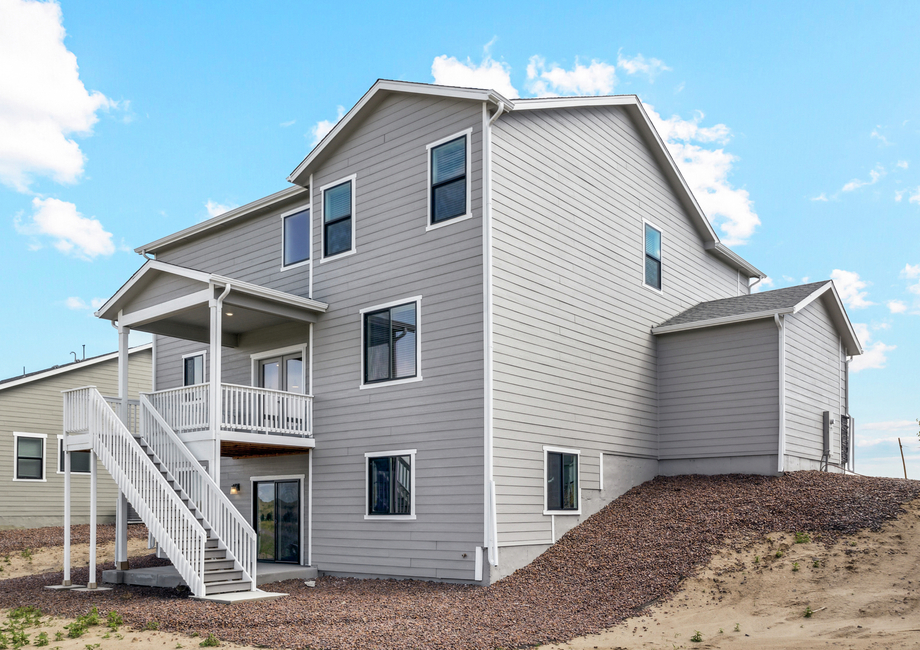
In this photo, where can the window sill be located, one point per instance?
(660, 292)
(395, 382)
(389, 517)
(295, 265)
(447, 222)
(338, 255)
(73, 473)
(30, 480)
(562, 512)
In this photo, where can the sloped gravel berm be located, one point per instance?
(633, 552)
(16, 540)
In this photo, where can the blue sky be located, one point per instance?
(798, 126)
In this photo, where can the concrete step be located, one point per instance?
(222, 575)
(227, 587)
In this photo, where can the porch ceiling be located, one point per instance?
(175, 301)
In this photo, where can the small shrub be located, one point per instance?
(737, 627)
(42, 639)
(795, 566)
(114, 620)
(816, 564)
(93, 617)
(756, 559)
(26, 554)
(808, 612)
(211, 642)
(152, 625)
(802, 538)
(58, 636)
(76, 629)
(779, 554)
(697, 637)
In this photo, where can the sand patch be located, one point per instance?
(47, 560)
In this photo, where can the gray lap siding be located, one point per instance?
(396, 258)
(575, 362)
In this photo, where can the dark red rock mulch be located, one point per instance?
(15, 540)
(636, 550)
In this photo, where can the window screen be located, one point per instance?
(448, 180)
(337, 219)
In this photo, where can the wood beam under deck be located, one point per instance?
(237, 450)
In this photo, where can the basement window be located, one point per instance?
(561, 482)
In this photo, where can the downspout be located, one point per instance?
(756, 282)
(781, 442)
(491, 519)
(146, 255)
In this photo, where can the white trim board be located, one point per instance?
(303, 505)
(418, 343)
(44, 438)
(547, 449)
(412, 485)
(468, 178)
(50, 372)
(353, 179)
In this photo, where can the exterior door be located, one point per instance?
(282, 373)
(277, 520)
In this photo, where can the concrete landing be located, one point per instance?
(240, 597)
(168, 577)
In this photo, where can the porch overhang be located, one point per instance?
(172, 300)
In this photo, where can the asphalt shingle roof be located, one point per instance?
(751, 304)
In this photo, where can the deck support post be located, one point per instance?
(67, 581)
(121, 507)
(216, 306)
(91, 583)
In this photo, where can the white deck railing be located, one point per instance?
(243, 409)
(224, 519)
(134, 408)
(177, 531)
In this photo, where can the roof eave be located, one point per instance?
(732, 258)
(725, 320)
(50, 372)
(847, 333)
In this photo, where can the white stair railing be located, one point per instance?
(185, 408)
(169, 520)
(224, 519)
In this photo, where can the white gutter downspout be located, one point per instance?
(781, 444)
(751, 286)
(216, 305)
(491, 520)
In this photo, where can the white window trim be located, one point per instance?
(44, 438)
(58, 464)
(646, 222)
(281, 477)
(469, 179)
(561, 450)
(204, 366)
(418, 342)
(285, 215)
(256, 357)
(412, 488)
(322, 219)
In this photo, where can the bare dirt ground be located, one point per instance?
(47, 560)
(864, 592)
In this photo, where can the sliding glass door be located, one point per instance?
(277, 520)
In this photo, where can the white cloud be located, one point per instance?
(214, 208)
(285, 125)
(915, 196)
(851, 288)
(42, 100)
(490, 74)
(899, 194)
(896, 306)
(821, 197)
(707, 173)
(874, 433)
(912, 273)
(77, 303)
(874, 354)
(680, 87)
(321, 128)
(902, 164)
(878, 136)
(764, 285)
(72, 232)
(598, 78)
(640, 65)
(805, 280)
(874, 176)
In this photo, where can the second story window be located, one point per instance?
(295, 235)
(193, 369)
(338, 218)
(652, 257)
(391, 342)
(449, 178)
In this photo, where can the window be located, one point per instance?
(652, 257)
(390, 480)
(193, 369)
(338, 217)
(561, 467)
(391, 342)
(448, 172)
(79, 460)
(30, 456)
(295, 237)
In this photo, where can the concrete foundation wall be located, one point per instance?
(765, 465)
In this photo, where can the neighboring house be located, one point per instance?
(470, 324)
(31, 433)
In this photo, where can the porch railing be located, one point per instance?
(245, 409)
(133, 423)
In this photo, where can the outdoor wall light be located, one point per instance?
(229, 313)
(235, 488)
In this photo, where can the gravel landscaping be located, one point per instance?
(634, 552)
(19, 539)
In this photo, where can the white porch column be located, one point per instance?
(91, 583)
(216, 305)
(67, 582)
(121, 507)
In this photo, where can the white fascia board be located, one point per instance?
(725, 320)
(543, 103)
(150, 265)
(732, 258)
(230, 215)
(386, 85)
(268, 294)
(849, 335)
(73, 366)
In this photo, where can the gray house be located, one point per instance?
(469, 324)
